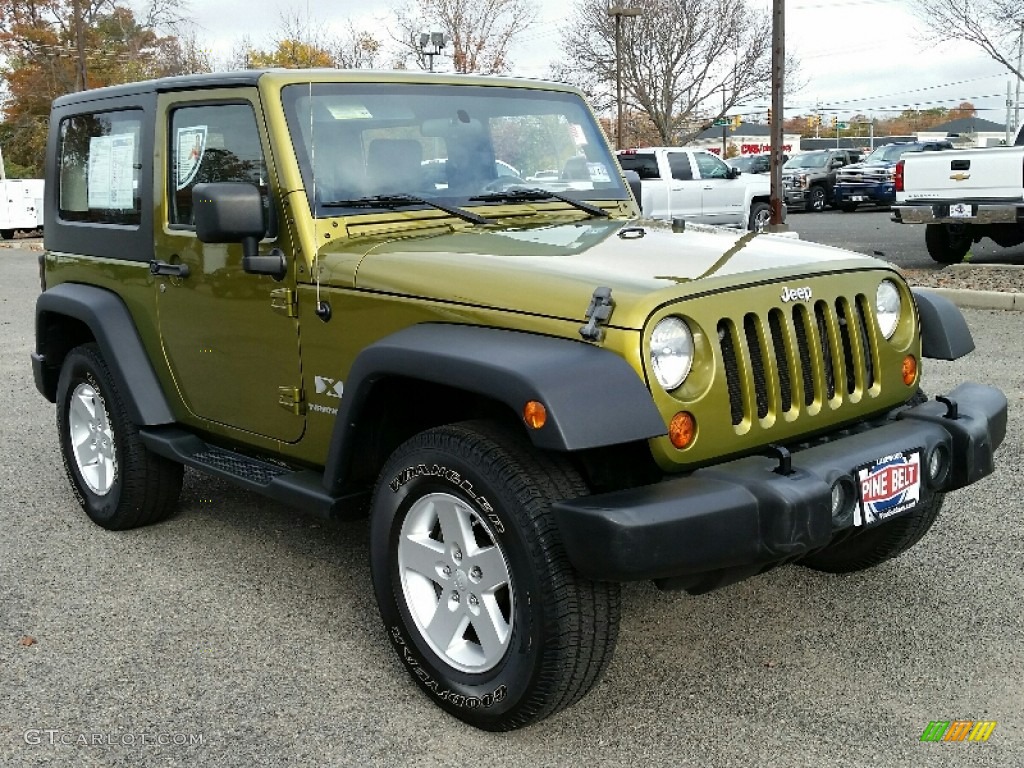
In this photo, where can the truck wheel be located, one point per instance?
(477, 595)
(816, 199)
(848, 207)
(7, 234)
(760, 217)
(868, 548)
(117, 480)
(948, 243)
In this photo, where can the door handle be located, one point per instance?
(163, 268)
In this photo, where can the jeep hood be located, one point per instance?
(552, 271)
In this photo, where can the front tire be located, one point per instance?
(948, 243)
(871, 547)
(117, 480)
(476, 592)
(817, 199)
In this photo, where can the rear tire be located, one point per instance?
(7, 234)
(948, 243)
(117, 480)
(760, 217)
(476, 592)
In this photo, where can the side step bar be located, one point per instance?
(302, 489)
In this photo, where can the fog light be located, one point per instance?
(843, 498)
(682, 430)
(909, 370)
(838, 499)
(938, 465)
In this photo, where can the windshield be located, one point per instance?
(809, 160)
(443, 142)
(890, 153)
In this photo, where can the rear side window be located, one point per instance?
(100, 167)
(646, 166)
(679, 164)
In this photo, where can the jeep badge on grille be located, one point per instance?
(796, 294)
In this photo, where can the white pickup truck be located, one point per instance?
(691, 184)
(962, 197)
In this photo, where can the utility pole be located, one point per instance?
(778, 73)
(81, 75)
(618, 12)
(1016, 101)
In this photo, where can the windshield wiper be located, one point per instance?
(398, 201)
(520, 195)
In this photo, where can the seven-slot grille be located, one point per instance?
(796, 356)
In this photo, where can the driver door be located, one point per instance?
(228, 337)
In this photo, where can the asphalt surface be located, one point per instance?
(871, 231)
(252, 633)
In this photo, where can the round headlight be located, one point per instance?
(671, 352)
(887, 307)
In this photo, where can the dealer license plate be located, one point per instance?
(888, 487)
(857, 198)
(960, 211)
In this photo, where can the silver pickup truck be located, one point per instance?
(962, 197)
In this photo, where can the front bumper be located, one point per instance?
(884, 193)
(745, 514)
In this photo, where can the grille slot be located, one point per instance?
(826, 348)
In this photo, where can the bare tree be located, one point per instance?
(480, 31)
(992, 25)
(684, 62)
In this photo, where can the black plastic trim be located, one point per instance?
(114, 330)
(593, 397)
(741, 513)
(944, 332)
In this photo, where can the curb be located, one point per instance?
(967, 299)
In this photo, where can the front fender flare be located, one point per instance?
(593, 397)
(944, 332)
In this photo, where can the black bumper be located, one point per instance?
(745, 514)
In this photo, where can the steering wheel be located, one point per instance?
(505, 183)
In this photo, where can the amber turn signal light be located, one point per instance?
(535, 414)
(909, 370)
(682, 429)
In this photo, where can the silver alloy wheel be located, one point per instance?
(762, 219)
(92, 440)
(456, 582)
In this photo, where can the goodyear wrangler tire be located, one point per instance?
(117, 480)
(476, 593)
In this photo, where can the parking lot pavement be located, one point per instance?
(241, 634)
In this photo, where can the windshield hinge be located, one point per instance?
(282, 301)
(291, 399)
(599, 312)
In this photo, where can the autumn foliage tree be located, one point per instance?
(53, 47)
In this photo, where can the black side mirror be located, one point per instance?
(232, 212)
(733, 172)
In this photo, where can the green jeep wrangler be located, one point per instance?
(344, 291)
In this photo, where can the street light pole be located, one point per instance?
(618, 12)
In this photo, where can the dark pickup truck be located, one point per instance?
(873, 180)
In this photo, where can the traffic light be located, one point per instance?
(810, 121)
(737, 121)
(835, 121)
(817, 121)
(769, 115)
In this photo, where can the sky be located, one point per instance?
(856, 56)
